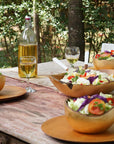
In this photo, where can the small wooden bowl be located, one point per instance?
(2, 82)
(76, 90)
(89, 124)
(103, 64)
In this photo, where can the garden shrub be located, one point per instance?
(53, 15)
(98, 22)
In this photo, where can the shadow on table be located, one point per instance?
(66, 142)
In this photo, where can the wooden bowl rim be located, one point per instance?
(64, 83)
(85, 115)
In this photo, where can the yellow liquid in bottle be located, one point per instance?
(27, 50)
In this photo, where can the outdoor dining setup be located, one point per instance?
(68, 104)
(56, 72)
(59, 101)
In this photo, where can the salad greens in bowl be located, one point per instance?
(90, 114)
(2, 81)
(77, 82)
(104, 60)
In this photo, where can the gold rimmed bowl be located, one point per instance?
(75, 90)
(2, 81)
(103, 64)
(89, 124)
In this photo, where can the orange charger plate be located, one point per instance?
(11, 92)
(59, 128)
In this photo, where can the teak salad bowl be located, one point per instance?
(75, 90)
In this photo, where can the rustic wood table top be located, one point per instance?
(22, 117)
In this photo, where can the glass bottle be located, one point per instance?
(27, 46)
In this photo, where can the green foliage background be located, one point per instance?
(98, 22)
(53, 15)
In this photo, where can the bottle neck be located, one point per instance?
(28, 24)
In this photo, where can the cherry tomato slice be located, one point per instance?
(70, 77)
(101, 81)
(97, 55)
(110, 101)
(112, 52)
(84, 75)
(96, 107)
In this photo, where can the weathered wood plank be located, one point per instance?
(22, 118)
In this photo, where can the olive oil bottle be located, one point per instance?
(27, 46)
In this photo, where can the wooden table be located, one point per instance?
(21, 119)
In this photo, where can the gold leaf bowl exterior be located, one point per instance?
(89, 124)
(103, 64)
(80, 90)
(2, 82)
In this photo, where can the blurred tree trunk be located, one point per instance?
(75, 26)
(36, 29)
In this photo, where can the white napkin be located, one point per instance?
(107, 46)
(56, 60)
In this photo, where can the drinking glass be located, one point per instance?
(72, 54)
(27, 65)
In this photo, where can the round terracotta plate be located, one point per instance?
(9, 92)
(59, 128)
